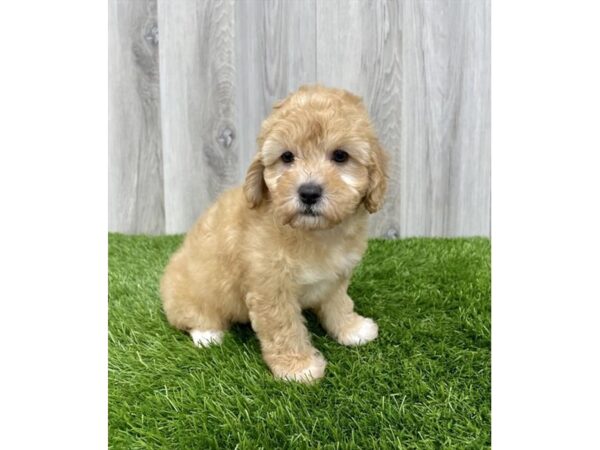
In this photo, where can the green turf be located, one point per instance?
(424, 383)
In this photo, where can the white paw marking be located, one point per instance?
(365, 331)
(205, 338)
(314, 371)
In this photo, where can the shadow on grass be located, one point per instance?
(244, 334)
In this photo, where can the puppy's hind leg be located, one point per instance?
(206, 338)
(205, 329)
(189, 311)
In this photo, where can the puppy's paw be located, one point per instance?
(206, 338)
(360, 332)
(304, 370)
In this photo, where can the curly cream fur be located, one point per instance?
(253, 256)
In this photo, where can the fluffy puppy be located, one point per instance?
(288, 239)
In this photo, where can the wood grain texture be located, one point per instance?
(135, 181)
(275, 45)
(421, 66)
(200, 144)
(359, 49)
(445, 151)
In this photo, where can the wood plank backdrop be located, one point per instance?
(191, 80)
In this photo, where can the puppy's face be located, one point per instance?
(318, 160)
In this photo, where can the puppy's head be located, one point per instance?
(318, 160)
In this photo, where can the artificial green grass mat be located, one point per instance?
(423, 383)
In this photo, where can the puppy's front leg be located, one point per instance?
(337, 316)
(284, 340)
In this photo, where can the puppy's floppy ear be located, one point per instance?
(255, 186)
(377, 178)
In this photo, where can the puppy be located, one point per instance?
(288, 239)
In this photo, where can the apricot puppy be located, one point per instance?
(288, 239)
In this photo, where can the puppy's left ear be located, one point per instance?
(255, 186)
(378, 175)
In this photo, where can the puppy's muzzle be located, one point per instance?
(310, 193)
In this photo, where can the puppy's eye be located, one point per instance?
(287, 157)
(339, 156)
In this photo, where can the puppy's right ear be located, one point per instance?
(378, 175)
(254, 186)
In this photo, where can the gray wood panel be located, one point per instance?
(360, 49)
(471, 166)
(135, 179)
(198, 106)
(275, 45)
(423, 70)
(445, 150)
(422, 67)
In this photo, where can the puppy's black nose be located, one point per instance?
(310, 193)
